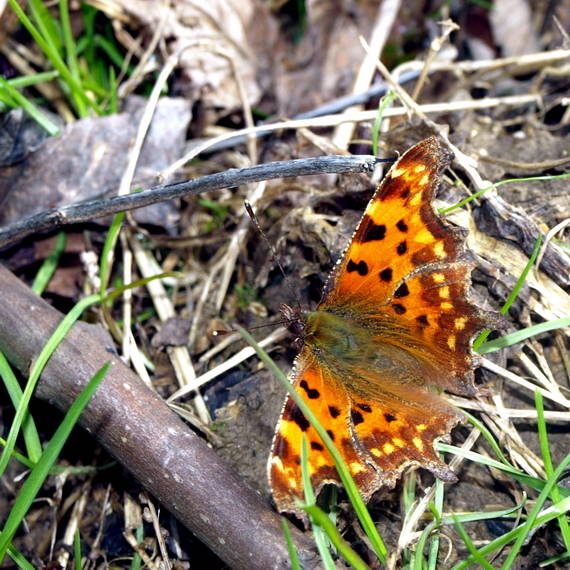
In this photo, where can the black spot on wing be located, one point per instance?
(399, 309)
(331, 434)
(334, 411)
(402, 291)
(361, 267)
(316, 446)
(402, 226)
(390, 418)
(386, 275)
(369, 231)
(356, 417)
(364, 407)
(311, 393)
(295, 415)
(422, 320)
(402, 248)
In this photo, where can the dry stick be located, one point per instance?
(93, 209)
(334, 120)
(137, 428)
(385, 19)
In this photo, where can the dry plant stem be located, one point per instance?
(358, 116)
(73, 525)
(179, 355)
(139, 72)
(137, 427)
(434, 48)
(93, 209)
(385, 18)
(276, 336)
(516, 65)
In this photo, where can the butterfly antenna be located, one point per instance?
(274, 256)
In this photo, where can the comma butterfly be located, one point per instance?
(394, 322)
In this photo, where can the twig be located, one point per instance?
(334, 120)
(93, 209)
(385, 19)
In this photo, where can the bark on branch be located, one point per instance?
(84, 211)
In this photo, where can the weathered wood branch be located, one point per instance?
(141, 432)
(93, 209)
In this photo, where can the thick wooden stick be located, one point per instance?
(137, 428)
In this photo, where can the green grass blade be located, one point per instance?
(436, 509)
(19, 559)
(310, 500)
(321, 518)
(49, 265)
(52, 54)
(533, 482)
(548, 467)
(532, 516)
(500, 183)
(522, 335)
(501, 541)
(293, 557)
(37, 477)
(479, 558)
(514, 293)
(383, 104)
(77, 550)
(29, 108)
(107, 251)
(71, 54)
(45, 23)
(29, 430)
(33, 79)
(347, 481)
(488, 437)
(35, 372)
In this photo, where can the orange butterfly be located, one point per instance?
(394, 321)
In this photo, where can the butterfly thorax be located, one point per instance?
(340, 337)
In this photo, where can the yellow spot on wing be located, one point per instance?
(394, 173)
(424, 180)
(416, 199)
(451, 342)
(375, 451)
(444, 292)
(388, 448)
(399, 442)
(438, 277)
(356, 468)
(421, 427)
(419, 168)
(277, 462)
(439, 249)
(460, 323)
(418, 443)
(446, 306)
(423, 236)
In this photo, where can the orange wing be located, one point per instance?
(407, 265)
(330, 402)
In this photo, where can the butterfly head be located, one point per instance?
(294, 321)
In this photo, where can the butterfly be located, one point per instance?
(394, 327)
